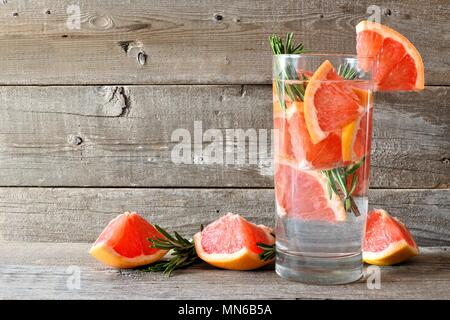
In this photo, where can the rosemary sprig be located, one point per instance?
(183, 252)
(277, 46)
(268, 251)
(337, 183)
(294, 91)
(337, 177)
(347, 72)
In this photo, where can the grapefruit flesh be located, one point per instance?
(395, 62)
(303, 194)
(231, 243)
(357, 138)
(387, 240)
(283, 147)
(124, 242)
(361, 147)
(323, 155)
(329, 103)
(357, 135)
(363, 172)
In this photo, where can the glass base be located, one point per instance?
(321, 270)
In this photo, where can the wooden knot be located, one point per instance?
(74, 140)
(102, 22)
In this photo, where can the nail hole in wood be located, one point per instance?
(445, 160)
(15, 14)
(48, 12)
(125, 45)
(242, 90)
(217, 17)
(75, 140)
(142, 58)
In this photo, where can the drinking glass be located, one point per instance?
(322, 111)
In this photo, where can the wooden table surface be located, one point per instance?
(41, 270)
(87, 116)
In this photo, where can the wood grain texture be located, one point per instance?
(122, 136)
(208, 41)
(30, 272)
(80, 214)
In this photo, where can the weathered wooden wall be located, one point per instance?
(202, 41)
(85, 127)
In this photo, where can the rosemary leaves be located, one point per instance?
(338, 178)
(295, 91)
(268, 251)
(182, 252)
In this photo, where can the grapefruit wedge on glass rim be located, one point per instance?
(230, 243)
(124, 242)
(395, 62)
(387, 241)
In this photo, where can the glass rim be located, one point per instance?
(316, 59)
(320, 54)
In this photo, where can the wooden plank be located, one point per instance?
(80, 214)
(122, 136)
(208, 41)
(30, 272)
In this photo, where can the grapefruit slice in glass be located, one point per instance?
(387, 240)
(231, 243)
(283, 147)
(329, 103)
(362, 186)
(303, 194)
(357, 138)
(323, 155)
(124, 242)
(395, 62)
(355, 135)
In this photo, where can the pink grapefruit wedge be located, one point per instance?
(303, 194)
(124, 242)
(387, 240)
(396, 64)
(329, 103)
(231, 243)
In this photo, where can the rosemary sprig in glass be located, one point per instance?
(295, 91)
(347, 72)
(338, 177)
(183, 252)
(337, 183)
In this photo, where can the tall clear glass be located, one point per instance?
(322, 109)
